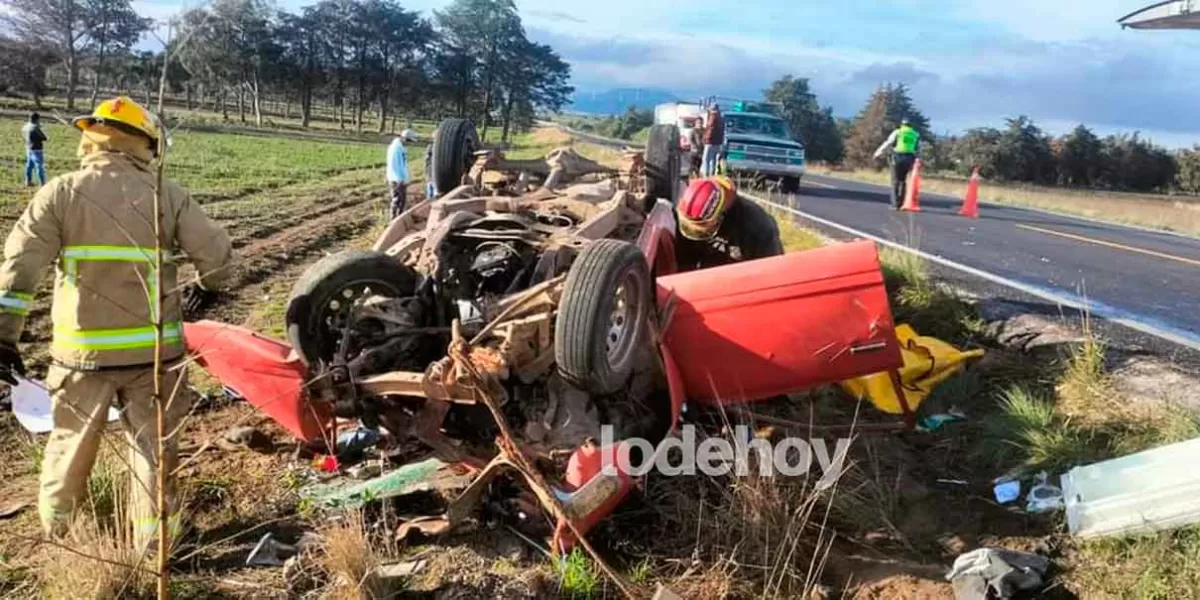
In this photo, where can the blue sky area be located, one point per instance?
(968, 62)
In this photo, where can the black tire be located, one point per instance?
(663, 164)
(789, 185)
(310, 303)
(454, 145)
(589, 355)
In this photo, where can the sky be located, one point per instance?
(968, 63)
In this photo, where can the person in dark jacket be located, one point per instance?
(35, 158)
(714, 139)
(716, 228)
(905, 143)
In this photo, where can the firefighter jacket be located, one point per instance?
(98, 224)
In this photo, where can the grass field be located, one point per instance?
(211, 165)
(1177, 214)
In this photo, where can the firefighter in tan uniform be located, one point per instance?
(97, 223)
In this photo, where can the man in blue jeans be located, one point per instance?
(397, 171)
(35, 160)
(714, 140)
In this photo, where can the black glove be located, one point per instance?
(11, 364)
(196, 298)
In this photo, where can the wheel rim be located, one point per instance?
(337, 314)
(625, 319)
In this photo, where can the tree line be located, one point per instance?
(1020, 151)
(359, 63)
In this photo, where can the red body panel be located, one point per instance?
(263, 371)
(757, 329)
(657, 239)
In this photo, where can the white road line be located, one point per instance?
(1147, 325)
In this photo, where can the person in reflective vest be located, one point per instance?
(905, 143)
(98, 225)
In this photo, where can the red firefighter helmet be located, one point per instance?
(704, 205)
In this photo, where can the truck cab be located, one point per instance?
(759, 144)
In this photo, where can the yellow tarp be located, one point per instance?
(928, 361)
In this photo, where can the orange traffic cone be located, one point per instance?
(970, 207)
(912, 193)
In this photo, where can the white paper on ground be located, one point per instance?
(31, 405)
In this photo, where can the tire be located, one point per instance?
(590, 356)
(789, 185)
(354, 270)
(663, 164)
(454, 145)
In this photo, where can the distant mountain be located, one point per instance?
(611, 102)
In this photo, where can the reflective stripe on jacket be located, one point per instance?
(97, 224)
(906, 140)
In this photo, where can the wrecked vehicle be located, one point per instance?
(505, 323)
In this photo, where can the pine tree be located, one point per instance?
(882, 114)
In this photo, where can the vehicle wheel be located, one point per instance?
(602, 317)
(319, 309)
(454, 145)
(663, 164)
(789, 185)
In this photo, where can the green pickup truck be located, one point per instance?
(760, 145)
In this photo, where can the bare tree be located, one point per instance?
(58, 25)
(112, 26)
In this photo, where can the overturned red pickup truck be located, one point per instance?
(538, 300)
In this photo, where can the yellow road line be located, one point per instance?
(1182, 259)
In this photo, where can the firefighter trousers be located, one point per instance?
(80, 402)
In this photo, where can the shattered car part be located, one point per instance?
(427, 475)
(453, 333)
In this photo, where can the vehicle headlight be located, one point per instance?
(796, 153)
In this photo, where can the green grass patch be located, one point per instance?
(795, 237)
(578, 577)
(210, 165)
(1161, 566)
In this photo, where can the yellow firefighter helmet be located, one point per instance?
(124, 114)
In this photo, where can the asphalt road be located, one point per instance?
(1143, 285)
(1143, 280)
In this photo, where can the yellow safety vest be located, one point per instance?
(906, 140)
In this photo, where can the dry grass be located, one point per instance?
(350, 561)
(1086, 391)
(1161, 566)
(69, 572)
(98, 559)
(746, 536)
(1144, 210)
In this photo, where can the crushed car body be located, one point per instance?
(502, 325)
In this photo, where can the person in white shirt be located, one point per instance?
(397, 170)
